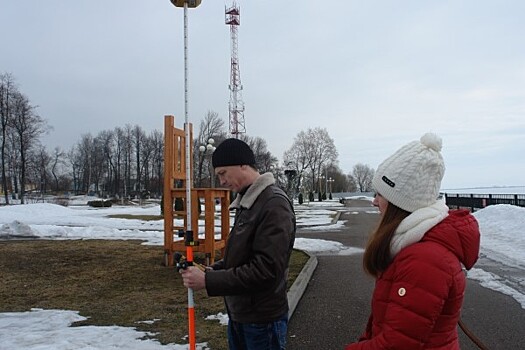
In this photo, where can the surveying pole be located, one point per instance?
(188, 235)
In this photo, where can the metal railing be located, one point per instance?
(480, 201)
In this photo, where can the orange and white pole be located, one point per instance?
(191, 305)
(189, 233)
(189, 240)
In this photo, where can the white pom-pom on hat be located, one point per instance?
(432, 141)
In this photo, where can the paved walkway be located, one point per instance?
(334, 307)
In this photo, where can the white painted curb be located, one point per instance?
(301, 282)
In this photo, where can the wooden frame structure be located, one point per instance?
(175, 187)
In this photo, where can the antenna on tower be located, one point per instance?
(236, 104)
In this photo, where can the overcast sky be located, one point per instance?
(375, 74)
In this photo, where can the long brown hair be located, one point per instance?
(377, 255)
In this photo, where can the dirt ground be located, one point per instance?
(111, 283)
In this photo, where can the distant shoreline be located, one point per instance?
(468, 190)
(488, 190)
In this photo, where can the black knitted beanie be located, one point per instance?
(233, 152)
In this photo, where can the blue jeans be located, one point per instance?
(258, 336)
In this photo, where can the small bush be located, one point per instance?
(100, 203)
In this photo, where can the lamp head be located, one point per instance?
(191, 3)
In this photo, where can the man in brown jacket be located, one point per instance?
(252, 275)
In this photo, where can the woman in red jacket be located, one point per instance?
(416, 254)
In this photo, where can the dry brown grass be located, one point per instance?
(111, 283)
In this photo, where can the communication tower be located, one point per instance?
(236, 104)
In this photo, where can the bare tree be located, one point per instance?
(138, 141)
(351, 183)
(211, 127)
(157, 143)
(128, 153)
(27, 127)
(85, 162)
(98, 165)
(325, 153)
(118, 157)
(13, 163)
(59, 171)
(39, 162)
(363, 175)
(107, 143)
(57, 159)
(266, 162)
(147, 153)
(111, 146)
(312, 151)
(299, 158)
(75, 161)
(7, 88)
(339, 179)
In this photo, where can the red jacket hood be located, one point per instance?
(459, 233)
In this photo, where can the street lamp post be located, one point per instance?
(326, 182)
(330, 180)
(209, 149)
(320, 186)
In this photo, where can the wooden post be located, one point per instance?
(168, 184)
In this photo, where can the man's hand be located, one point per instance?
(193, 278)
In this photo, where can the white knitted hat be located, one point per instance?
(411, 177)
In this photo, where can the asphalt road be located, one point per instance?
(334, 307)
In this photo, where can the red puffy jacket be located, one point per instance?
(417, 300)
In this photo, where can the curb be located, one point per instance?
(298, 287)
(336, 218)
(301, 282)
